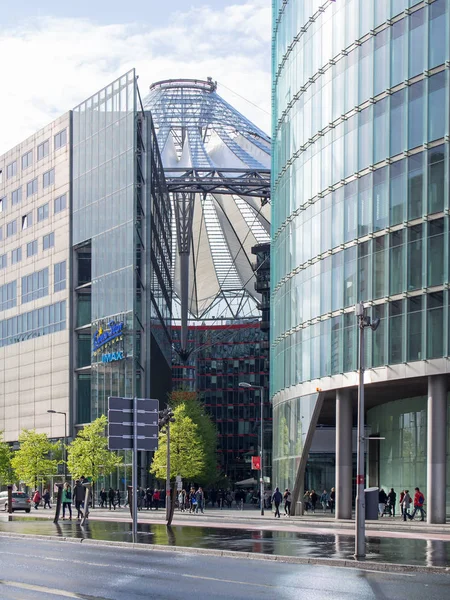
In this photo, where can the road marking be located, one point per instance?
(39, 588)
(382, 572)
(228, 581)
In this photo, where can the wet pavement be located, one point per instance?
(425, 552)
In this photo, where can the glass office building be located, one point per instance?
(360, 213)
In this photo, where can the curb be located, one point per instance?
(382, 567)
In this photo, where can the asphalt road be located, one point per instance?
(36, 569)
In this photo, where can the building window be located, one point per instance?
(8, 295)
(2, 204)
(43, 150)
(16, 255)
(35, 323)
(27, 160)
(48, 178)
(60, 203)
(48, 241)
(42, 212)
(16, 196)
(11, 228)
(60, 276)
(3, 261)
(27, 221)
(61, 139)
(35, 286)
(11, 170)
(32, 187)
(32, 248)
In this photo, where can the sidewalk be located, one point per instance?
(251, 519)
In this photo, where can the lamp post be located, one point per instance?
(244, 384)
(57, 412)
(360, 520)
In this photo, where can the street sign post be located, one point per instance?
(133, 425)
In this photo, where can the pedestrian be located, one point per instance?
(382, 499)
(324, 499)
(103, 498)
(200, 499)
(118, 498)
(277, 498)
(36, 498)
(392, 499)
(192, 501)
(148, 498)
(66, 500)
(79, 494)
(306, 500)
(406, 503)
(287, 502)
(313, 497)
(111, 498)
(332, 501)
(419, 501)
(402, 495)
(46, 498)
(156, 497)
(181, 500)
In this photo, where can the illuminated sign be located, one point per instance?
(111, 333)
(112, 356)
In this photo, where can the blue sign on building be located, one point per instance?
(112, 356)
(111, 332)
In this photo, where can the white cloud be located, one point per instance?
(49, 65)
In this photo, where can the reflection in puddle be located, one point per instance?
(394, 550)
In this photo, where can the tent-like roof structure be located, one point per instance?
(217, 167)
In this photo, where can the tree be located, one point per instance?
(206, 432)
(186, 451)
(32, 462)
(6, 471)
(88, 454)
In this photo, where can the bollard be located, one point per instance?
(10, 487)
(58, 503)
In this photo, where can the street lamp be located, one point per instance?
(57, 412)
(360, 520)
(244, 384)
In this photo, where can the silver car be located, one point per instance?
(20, 501)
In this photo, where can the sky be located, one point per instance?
(55, 54)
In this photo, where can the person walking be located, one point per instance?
(392, 499)
(156, 497)
(200, 499)
(277, 498)
(46, 498)
(313, 497)
(287, 502)
(406, 503)
(36, 498)
(66, 500)
(419, 501)
(332, 501)
(111, 498)
(79, 494)
(148, 498)
(324, 499)
(117, 498)
(382, 498)
(103, 498)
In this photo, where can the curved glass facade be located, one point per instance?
(360, 186)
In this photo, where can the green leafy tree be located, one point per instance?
(7, 474)
(88, 454)
(206, 432)
(34, 461)
(187, 456)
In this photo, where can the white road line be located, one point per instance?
(228, 581)
(38, 588)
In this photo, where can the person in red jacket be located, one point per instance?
(419, 500)
(36, 498)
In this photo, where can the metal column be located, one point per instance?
(436, 448)
(344, 458)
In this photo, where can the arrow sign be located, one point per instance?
(121, 423)
(125, 429)
(143, 417)
(146, 404)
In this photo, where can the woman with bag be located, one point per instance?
(67, 500)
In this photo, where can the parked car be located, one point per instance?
(20, 501)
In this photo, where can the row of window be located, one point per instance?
(48, 179)
(42, 213)
(42, 150)
(48, 241)
(8, 295)
(41, 321)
